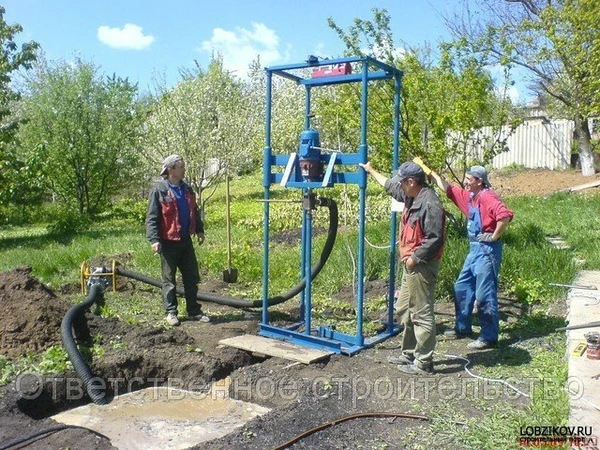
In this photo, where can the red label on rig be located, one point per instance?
(331, 71)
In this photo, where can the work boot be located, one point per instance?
(400, 359)
(481, 345)
(452, 334)
(172, 319)
(414, 369)
(200, 317)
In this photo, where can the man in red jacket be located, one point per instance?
(487, 220)
(173, 218)
(421, 248)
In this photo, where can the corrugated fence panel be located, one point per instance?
(536, 143)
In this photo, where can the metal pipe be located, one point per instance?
(574, 286)
(579, 327)
(360, 289)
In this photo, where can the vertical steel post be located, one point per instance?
(360, 339)
(394, 218)
(307, 250)
(303, 260)
(266, 185)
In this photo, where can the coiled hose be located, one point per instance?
(94, 386)
(271, 301)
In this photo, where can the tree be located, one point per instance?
(445, 100)
(13, 177)
(86, 126)
(556, 43)
(204, 118)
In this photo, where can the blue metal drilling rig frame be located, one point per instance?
(304, 170)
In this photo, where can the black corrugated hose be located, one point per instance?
(242, 303)
(94, 386)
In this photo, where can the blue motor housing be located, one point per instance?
(309, 153)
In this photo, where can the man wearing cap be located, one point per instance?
(421, 247)
(173, 218)
(487, 220)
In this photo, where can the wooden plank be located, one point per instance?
(581, 187)
(275, 347)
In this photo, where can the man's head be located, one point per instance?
(411, 178)
(171, 162)
(477, 179)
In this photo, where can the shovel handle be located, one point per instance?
(228, 205)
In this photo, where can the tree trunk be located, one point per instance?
(586, 156)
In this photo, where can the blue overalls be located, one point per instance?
(478, 280)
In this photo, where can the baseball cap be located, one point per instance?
(168, 162)
(481, 173)
(409, 169)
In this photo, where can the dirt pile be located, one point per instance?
(31, 314)
(538, 182)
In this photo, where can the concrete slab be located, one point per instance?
(583, 307)
(159, 418)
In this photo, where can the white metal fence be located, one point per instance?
(536, 143)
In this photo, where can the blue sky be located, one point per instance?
(145, 39)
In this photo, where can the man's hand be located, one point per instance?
(485, 237)
(156, 247)
(200, 238)
(410, 263)
(367, 166)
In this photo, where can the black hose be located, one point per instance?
(94, 386)
(271, 301)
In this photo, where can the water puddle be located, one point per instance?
(163, 417)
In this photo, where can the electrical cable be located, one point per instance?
(344, 419)
(479, 377)
(348, 246)
(379, 247)
(498, 380)
(30, 437)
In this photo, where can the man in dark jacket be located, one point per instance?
(421, 248)
(173, 218)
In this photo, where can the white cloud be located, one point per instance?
(129, 37)
(241, 46)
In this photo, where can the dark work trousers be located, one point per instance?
(179, 255)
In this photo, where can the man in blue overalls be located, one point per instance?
(487, 220)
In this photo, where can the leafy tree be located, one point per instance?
(205, 118)
(556, 43)
(86, 126)
(445, 100)
(13, 176)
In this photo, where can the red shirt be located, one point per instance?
(491, 208)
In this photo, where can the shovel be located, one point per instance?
(230, 275)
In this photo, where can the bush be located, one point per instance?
(129, 209)
(69, 222)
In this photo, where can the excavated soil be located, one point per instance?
(301, 396)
